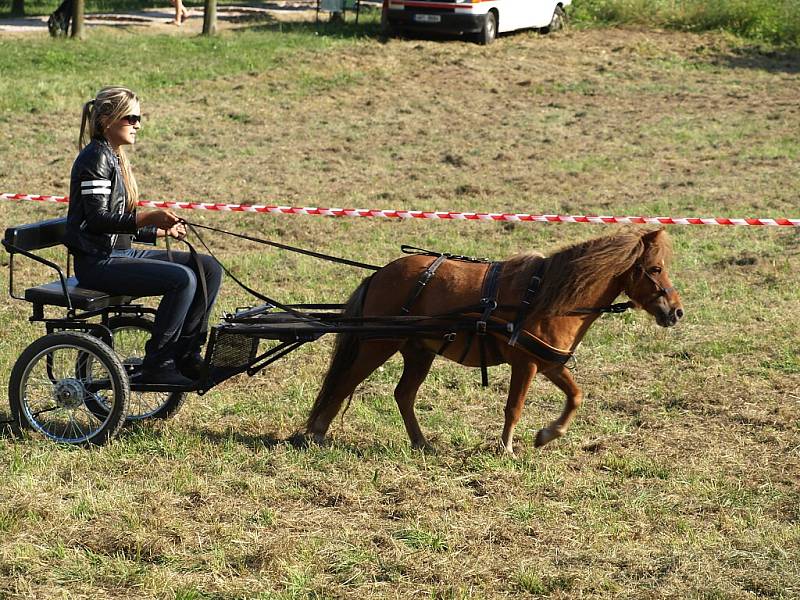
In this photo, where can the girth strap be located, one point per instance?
(527, 298)
(422, 282)
(489, 302)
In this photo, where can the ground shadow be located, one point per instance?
(253, 442)
(771, 61)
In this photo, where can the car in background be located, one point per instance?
(484, 19)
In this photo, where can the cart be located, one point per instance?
(73, 385)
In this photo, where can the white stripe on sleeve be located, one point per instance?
(101, 191)
(103, 182)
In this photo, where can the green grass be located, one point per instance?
(772, 21)
(43, 75)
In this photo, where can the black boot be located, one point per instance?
(164, 374)
(191, 365)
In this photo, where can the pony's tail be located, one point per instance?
(344, 352)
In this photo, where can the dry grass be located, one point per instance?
(679, 478)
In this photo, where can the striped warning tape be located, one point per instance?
(442, 215)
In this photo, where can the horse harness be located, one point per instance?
(485, 307)
(485, 322)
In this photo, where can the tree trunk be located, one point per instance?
(77, 19)
(17, 8)
(210, 18)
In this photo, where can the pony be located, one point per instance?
(566, 292)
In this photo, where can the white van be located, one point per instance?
(484, 18)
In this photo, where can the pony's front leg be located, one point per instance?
(522, 373)
(562, 378)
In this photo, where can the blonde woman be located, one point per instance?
(103, 221)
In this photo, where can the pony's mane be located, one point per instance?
(570, 274)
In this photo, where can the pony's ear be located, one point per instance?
(650, 237)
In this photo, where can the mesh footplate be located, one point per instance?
(231, 354)
(233, 350)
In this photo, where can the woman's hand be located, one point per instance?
(177, 231)
(163, 219)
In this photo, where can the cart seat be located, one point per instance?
(52, 294)
(46, 234)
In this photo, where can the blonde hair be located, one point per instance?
(110, 104)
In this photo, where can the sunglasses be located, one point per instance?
(132, 119)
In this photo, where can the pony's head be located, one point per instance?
(647, 283)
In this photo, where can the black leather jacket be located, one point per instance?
(96, 221)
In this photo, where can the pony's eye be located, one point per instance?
(655, 270)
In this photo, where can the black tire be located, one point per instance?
(489, 32)
(50, 385)
(130, 333)
(387, 29)
(558, 22)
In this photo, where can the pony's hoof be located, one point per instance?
(300, 440)
(311, 439)
(545, 436)
(506, 450)
(424, 447)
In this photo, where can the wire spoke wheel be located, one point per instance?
(130, 336)
(59, 381)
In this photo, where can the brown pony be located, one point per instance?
(575, 283)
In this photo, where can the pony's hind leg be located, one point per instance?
(339, 384)
(416, 365)
(522, 373)
(562, 378)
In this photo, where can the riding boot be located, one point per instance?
(165, 373)
(189, 356)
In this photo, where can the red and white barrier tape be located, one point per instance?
(445, 215)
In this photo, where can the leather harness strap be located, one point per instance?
(489, 301)
(527, 298)
(422, 282)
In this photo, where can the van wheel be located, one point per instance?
(558, 22)
(387, 30)
(489, 32)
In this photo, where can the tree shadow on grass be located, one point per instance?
(771, 61)
(347, 30)
(367, 27)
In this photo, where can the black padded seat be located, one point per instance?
(37, 236)
(52, 294)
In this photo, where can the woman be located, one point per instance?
(103, 221)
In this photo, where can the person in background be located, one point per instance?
(58, 22)
(181, 14)
(102, 221)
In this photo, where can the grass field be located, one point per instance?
(679, 478)
(767, 21)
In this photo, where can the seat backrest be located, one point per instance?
(36, 236)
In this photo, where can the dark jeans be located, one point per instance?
(181, 321)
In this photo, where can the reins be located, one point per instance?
(328, 257)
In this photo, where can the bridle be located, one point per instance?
(621, 307)
(661, 291)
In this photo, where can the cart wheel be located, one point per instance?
(55, 380)
(558, 22)
(489, 32)
(130, 335)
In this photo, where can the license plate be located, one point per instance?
(428, 18)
